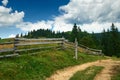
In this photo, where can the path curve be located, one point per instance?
(105, 74)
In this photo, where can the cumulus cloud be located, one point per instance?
(88, 11)
(95, 27)
(5, 2)
(9, 18)
(28, 26)
(90, 15)
(58, 24)
(11, 35)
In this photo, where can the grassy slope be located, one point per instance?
(116, 69)
(41, 65)
(87, 74)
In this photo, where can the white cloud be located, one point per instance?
(28, 26)
(9, 18)
(88, 11)
(5, 2)
(95, 27)
(12, 36)
(90, 15)
(60, 24)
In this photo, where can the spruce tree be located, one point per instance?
(111, 42)
(21, 35)
(74, 33)
(114, 34)
(17, 36)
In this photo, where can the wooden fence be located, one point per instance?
(30, 42)
(6, 47)
(91, 50)
(20, 44)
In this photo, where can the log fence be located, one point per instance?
(60, 42)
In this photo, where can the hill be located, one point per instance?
(40, 65)
(85, 38)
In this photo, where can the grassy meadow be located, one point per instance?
(41, 65)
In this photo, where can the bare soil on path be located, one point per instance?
(105, 74)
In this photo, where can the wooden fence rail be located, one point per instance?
(3, 43)
(32, 42)
(22, 42)
(43, 39)
(84, 49)
(7, 49)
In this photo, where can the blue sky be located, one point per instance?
(35, 10)
(21, 16)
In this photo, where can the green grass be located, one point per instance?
(116, 75)
(6, 40)
(87, 74)
(37, 46)
(115, 69)
(115, 58)
(41, 65)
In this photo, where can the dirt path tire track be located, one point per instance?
(108, 71)
(67, 73)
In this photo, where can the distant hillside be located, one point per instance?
(108, 41)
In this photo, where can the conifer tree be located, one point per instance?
(111, 42)
(114, 34)
(74, 33)
(21, 35)
(17, 36)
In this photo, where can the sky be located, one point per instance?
(21, 16)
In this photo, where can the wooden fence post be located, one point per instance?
(15, 47)
(62, 44)
(76, 49)
(100, 51)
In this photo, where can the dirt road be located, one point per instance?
(105, 74)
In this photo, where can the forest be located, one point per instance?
(108, 40)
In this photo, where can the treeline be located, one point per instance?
(108, 41)
(84, 38)
(111, 41)
(42, 33)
